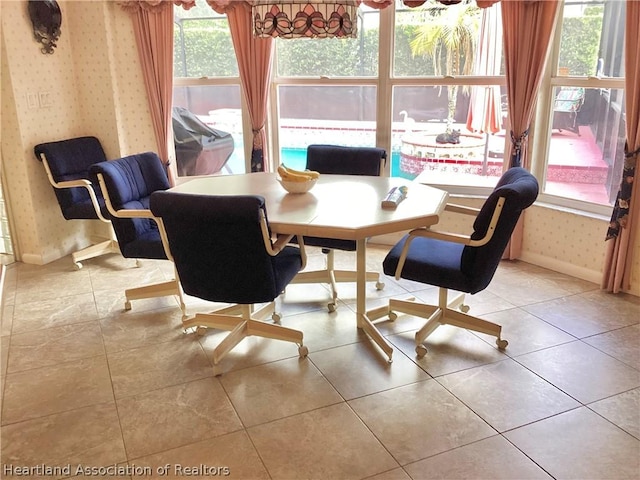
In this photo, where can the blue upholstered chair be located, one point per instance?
(126, 185)
(335, 159)
(458, 262)
(67, 163)
(223, 252)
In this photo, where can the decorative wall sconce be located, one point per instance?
(46, 18)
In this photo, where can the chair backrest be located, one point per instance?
(70, 160)
(129, 182)
(519, 189)
(337, 159)
(218, 248)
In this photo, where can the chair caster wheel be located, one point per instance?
(464, 308)
(276, 318)
(393, 316)
(77, 265)
(303, 351)
(200, 331)
(502, 344)
(421, 351)
(127, 305)
(331, 307)
(138, 263)
(379, 285)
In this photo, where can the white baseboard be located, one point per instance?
(559, 266)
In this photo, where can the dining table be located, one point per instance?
(345, 207)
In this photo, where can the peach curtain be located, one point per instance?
(623, 230)
(527, 28)
(153, 28)
(254, 63)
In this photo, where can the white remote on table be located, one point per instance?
(394, 197)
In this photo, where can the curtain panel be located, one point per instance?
(153, 29)
(527, 28)
(622, 234)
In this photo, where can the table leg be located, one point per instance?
(361, 298)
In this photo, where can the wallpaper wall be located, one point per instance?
(95, 87)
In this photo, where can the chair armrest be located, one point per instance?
(450, 237)
(455, 208)
(72, 183)
(81, 182)
(273, 248)
(446, 236)
(134, 213)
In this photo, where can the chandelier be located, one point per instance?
(300, 18)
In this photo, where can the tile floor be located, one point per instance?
(86, 385)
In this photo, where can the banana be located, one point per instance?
(296, 175)
(285, 174)
(310, 173)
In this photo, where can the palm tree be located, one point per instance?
(449, 37)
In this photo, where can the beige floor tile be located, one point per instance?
(4, 355)
(419, 420)
(579, 444)
(622, 410)
(230, 455)
(111, 302)
(623, 344)
(62, 266)
(507, 395)
(582, 371)
(175, 416)
(156, 366)
(525, 332)
(51, 285)
(588, 313)
(524, 291)
(194, 422)
(127, 277)
(41, 348)
(324, 330)
(449, 349)
(55, 389)
(280, 389)
(53, 311)
(135, 328)
(395, 474)
(510, 270)
(89, 436)
(303, 297)
(491, 458)
(327, 443)
(362, 369)
(347, 291)
(6, 319)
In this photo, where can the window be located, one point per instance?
(329, 96)
(206, 91)
(398, 86)
(586, 131)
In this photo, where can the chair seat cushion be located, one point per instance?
(84, 210)
(147, 245)
(430, 261)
